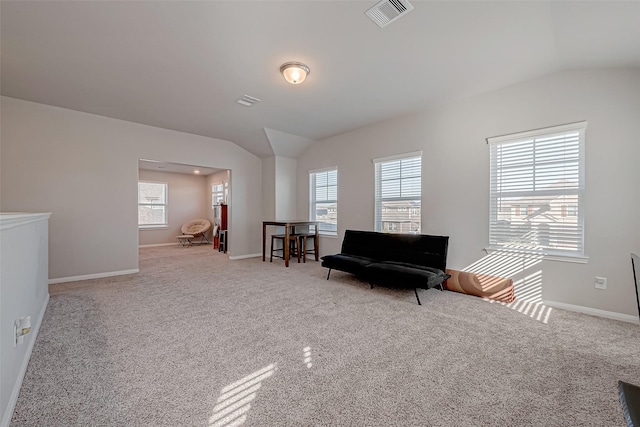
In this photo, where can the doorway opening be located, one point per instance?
(171, 195)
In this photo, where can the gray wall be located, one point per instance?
(455, 184)
(187, 200)
(286, 188)
(269, 188)
(83, 168)
(25, 292)
(279, 188)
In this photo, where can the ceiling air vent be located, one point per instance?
(387, 11)
(247, 100)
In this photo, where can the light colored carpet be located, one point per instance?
(197, 340)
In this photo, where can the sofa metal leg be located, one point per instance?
(371, 283)
(441, 287)
(417, 297)
(328, 274)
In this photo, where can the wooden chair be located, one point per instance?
(304, 242)
(294, 245)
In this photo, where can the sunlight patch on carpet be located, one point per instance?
(234, 401)
(528, 292)
(307, 356)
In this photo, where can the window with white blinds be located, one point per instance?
(398, 193)
(152, 204)
(536, 190)
(323, 200)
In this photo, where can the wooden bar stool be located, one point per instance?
(303, 243)
(294, 244)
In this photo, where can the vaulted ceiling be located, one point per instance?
(183, 65)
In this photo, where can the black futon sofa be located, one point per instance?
(402, 260)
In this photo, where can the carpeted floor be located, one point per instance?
(197, 340)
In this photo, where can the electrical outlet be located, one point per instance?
(21, 327)
(601, 283)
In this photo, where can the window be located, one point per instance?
(152, 204)
(398, 193)
(541, 175)
(323, 200)
(218, 194)
(389, 226)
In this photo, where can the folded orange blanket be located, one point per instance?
(481, 285)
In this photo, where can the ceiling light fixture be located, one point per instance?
(294, 72)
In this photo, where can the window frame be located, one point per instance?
(313, 199)
(165, 204)
(578, 192)
(379, 206)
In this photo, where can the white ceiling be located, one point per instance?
(182, 65)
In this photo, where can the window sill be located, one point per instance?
(327, 235)
(575, 259)
(153, 227)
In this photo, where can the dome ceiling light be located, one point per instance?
(294, 72)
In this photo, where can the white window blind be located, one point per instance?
(152, 204)
(536, 190)
(398, 194)
(323, 200)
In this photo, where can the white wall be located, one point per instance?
(279, 192)
(187, 201)
(83, 168)
(279, 188)
(269, 188)
(286, 188)
(24, 292)
(456, 174)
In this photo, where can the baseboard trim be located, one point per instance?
(245, 256)
(155, 245)
(592, 311)
(93, 276)
(15, 392)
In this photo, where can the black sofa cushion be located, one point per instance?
(350, 263)
(436, 271)
(404, 275)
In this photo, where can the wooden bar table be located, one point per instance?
(289, 226)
